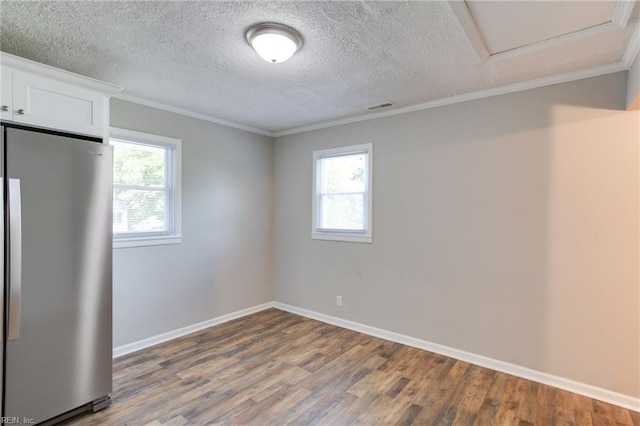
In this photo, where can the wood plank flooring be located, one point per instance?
(276, 368)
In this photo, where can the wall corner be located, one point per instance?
(633, 85)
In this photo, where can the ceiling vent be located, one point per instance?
(380, 106)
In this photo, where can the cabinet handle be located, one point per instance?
(5, 108)
(21, 111)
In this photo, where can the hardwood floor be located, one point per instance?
(273, 368)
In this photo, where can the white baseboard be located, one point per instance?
(591, 391)
(174, 334)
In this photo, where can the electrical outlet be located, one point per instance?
(338, 300)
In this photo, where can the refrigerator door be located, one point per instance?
(2, 243)
(59, 346)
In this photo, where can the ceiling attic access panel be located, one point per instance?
(503, 29)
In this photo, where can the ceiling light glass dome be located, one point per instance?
(274, 43)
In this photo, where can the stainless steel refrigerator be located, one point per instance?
(56, 307)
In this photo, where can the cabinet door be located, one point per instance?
(6, 94)
(48, 103)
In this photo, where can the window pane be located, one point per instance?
(343, 174)
(137, 210)
(138, 165)
(342, 212)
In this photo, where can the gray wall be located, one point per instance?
(224, 263)
(633, 83)
(506, 227)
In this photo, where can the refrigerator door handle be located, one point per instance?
(15, 259)
(2, 253)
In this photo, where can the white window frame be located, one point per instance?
(175, 174)
(365, 236)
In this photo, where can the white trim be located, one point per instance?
(466, 21)
(365, 236)
(590, 391)
(625, 64)
(32, 67)
(337, 236)
(187, 113)
(121, 243)
(480, 94)
(174, 334)
(133, 136)
(631, 52)
(554, 42)
(633, 48)
(175, 237)
(460, 9)
(622, 13)
(343, 150)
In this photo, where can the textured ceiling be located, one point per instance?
(192, 54)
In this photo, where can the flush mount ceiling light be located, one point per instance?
(274, 42)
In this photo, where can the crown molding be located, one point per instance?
(187, 113)
(633, 48)
(32, 67)
(624, 65)
(471, 96)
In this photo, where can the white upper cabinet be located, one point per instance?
(43, 96)
(44, 102)
(6, 95)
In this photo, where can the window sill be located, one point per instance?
(146, 241)
(341, 237)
